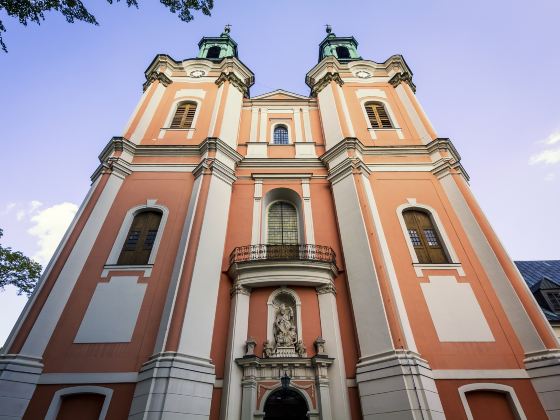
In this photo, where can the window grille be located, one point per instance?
(281, 134)
(282, 224)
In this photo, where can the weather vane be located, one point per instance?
(227, 28)
(328, 28)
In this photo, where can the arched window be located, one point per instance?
(213, 52)
(342, 52)
(281, 134)
(424, 237)
(377, 115)
(184, 115)
(282, 224)
(140, 239)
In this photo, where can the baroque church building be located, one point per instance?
(280, 256)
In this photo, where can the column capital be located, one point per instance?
(238, 289)
(235, 81)
(405, 77)
(324, 81)
(327, 288)
(156, 75)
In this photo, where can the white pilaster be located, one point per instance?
(231, 116)
(148, 115)
(329, 116)
(239, 321)
(330, 330)
(257, 203)
(214, 117)
(413, 115)
(307, 125)
(52, 309)
(264, 123)
(19, 376)
(544, 369)
(307, 212)
(345, 111)
(518, 317)
(198, 324)
(254, 122)
(297, 124)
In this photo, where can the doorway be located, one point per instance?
(285, 405)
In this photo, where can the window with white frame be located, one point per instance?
(184, 115)
(424, 237)
(140, 239)
(282, 226)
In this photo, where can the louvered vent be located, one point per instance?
(184, 116)
(377, 115)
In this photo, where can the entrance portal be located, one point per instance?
(285, 405)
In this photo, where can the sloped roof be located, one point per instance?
(281, 94)
(535, 271)
(541, 274)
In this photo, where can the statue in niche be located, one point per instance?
(285, 334)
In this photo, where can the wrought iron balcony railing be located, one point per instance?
(306, 252)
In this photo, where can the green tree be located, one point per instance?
(18, 270)
(33, 10)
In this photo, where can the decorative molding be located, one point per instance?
(235, 81)
(405, 77)
(327, 288)
(320, 84)
(156, 75)
(237, 289)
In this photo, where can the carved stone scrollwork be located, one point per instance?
(324, 81)
(235, 81)
(159, 76)
(327, 288)
(402, 77)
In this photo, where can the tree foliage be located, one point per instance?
(18, 270)
(34, 10)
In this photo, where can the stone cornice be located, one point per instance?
(123, 166)
(156, 75)
(402, 77)
(213, 166)
(319, 85)
(235, 81)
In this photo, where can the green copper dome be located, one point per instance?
(216, 48)
(345, 49)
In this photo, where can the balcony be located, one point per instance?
(270, 265)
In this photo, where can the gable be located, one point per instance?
(281, 95)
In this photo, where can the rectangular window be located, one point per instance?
(431, 237)
(414, 237)
(132, 240)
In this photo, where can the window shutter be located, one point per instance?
(184, 116)
(377, 115)
(424, 238)
(140, 239)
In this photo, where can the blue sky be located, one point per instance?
(486, 74)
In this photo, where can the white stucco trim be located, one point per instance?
(257, 213)
(56, 402)
(254, 122)
(31, 301)
(263, 123)
(231, 117)
(271, 390)
(372, 131)
(454, 262)
(307, 212)
(480, 374)
(297, 125)
(148, 115)
(307, 125)
(272, 312)
(123, 231)
(137, 108)
(345, 111)
(386, 254)
(47, 320)
(508, 390)
(188, 95)
(88, 378)
(275, 123)
(413, 115)
(214, 117)
(330, 122)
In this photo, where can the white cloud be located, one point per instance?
(49, 226)
(550, 177)
(8, 208)
(547, 156)
(553, 138)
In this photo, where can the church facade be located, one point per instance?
(280, 256)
